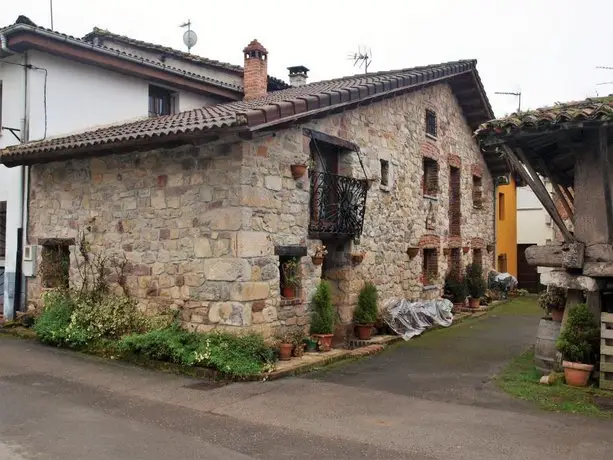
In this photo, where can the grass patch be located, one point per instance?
(521, 378)
(520, 306)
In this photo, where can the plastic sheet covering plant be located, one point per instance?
(409, 319)
(502, 282)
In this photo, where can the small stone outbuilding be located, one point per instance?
(204, 205)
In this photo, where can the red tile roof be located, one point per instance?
(284, 106)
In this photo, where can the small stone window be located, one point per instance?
(385, 173)
(290, 276)
(477, 192)
(2, 229)
(455, 260)
(54, 267)
(431, 123)
(430, 266)
(478, 257)
(430, 179)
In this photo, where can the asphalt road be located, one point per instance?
(428, 399)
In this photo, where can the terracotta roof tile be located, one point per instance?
(277, 107)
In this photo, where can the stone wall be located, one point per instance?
(199, 225)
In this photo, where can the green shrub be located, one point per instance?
(51, 326)
(234, 355)
(475, 281)
(578, 342)
(324, 315)
(455, 286)
(366, 311)
(552, 299)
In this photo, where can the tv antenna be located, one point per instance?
(362, 58)
(189, 37)
(517, 94)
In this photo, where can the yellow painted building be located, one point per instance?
(506, 227)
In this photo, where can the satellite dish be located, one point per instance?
(190, 39)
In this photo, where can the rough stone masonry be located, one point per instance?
(198, 225)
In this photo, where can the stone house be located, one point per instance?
(204, 206)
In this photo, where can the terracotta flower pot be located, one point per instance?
(298, 171)
(465, 249)
(364, 331)
(412, 252)
(289, 292)
(474, 302)
(317, 260)
(457, 306)
(577, 374)
(285, 351)
(325, 341)
(298, 350)
(557, 315)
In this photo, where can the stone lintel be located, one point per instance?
(291, 251)
(56, 241)
(564, 279)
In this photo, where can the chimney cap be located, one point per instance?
(255, 45)
(297, 70)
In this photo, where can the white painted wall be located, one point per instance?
(77, 97)
(533, 223)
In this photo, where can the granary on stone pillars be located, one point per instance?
(569, 144)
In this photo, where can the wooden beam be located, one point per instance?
(558, 189)
(598, 269)
(603, 154)
(329, 139)
(538, 188)
(567, 255)
(569, 195)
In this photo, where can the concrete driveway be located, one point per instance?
(428, 399)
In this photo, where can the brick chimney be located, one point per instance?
(255, 80)
(298, 75)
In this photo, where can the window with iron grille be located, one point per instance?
(2, 229)
(161, 101)
(430, 266)
(477, 257)
(501, 209)
(502, 263)
(477, 193)
(455, 260)
(430, 180)
(431, 122)
(455, 204)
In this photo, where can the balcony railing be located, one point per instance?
(338, 204)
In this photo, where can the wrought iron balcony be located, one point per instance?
(338, 204)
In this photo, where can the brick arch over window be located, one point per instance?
(477, 243)
(454, 160)
(429, 241)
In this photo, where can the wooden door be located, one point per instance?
(528, 276)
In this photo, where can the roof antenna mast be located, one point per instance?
(510, 93)
(189, 37)
(362, 58)
(51, 11)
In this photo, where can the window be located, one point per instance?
(385, 173)
(477, 193)
(0, 108)
(430, 266)
(455, 209)
(455, 261)
(502, 263)
(431, 123)
(430, 180)
(478, 257)
(55, 265)
(161, 101)
(501, 206)
(2, 229)
(290, 275)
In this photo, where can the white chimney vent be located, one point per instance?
(298, 75)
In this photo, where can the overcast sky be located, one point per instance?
(548, 49)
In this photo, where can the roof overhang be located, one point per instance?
(25, 38)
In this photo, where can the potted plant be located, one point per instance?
(286, 345)
(553, 301)
(291, 277)
(323, 317)
(320, 253)
(298, 339)
(298, 170)
(311, 344)
(365, 314)
(475, 283)
(578, 343)
(412, 252)
(456, 289)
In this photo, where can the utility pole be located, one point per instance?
(516, 94)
